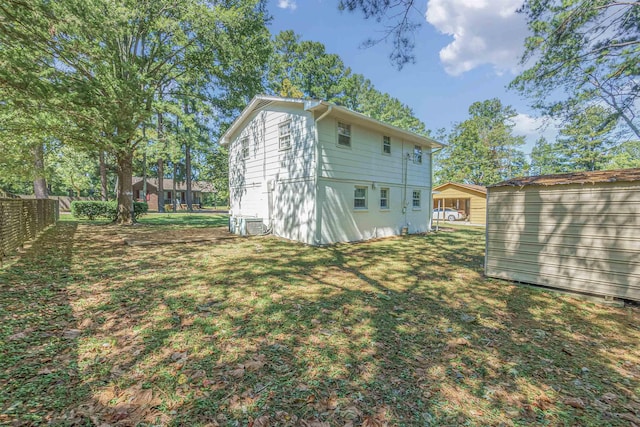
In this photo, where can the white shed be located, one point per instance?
(319, 173)
(578, 232)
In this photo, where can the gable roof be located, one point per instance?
(202, 186)
(473, 187)
(593, 177)
(261, 101)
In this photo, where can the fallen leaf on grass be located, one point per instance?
(263, 421)
(458, 342)
(18, 336)
(350, 413)
(574, 402)
(629, 417)
(71, 334)
(328, 404)
(314, 423)
(374, 422)
(285, 418)
(178, 357)
(237, 373)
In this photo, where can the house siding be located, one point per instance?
(312, 201)
(340, 221)
(364, 160)
(577, 237)
(269, 176)
(364, 164)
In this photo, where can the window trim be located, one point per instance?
(419, 199)
(244, 149)
(386, 142)
(365, 198)
(347, 126)
(280, 135)
(417, 154)
(388, 207)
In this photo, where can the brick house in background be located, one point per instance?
(198, 188)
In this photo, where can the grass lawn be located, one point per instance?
(264, 332)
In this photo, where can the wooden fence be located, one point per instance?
(22, 220)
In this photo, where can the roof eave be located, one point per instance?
(431, 143)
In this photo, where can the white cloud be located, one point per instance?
(532, 128)
(484, 32)
(287, 4)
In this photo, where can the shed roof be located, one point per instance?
(261, 101)
(474, 187)
(593, 177)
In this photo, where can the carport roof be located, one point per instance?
(593, 177)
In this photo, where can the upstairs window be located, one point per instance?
(417, 154)
(244, 145)
(284, 132)
(384, 198)
(416, 199)
(344, 134)
(386, 145)
(360, 198)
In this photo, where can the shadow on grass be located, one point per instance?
(190, 220)
(403, 331)
(39, 373)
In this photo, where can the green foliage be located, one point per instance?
(482, 149)
(584, 141)
(108, 210)
(583, 51)
(625, 155)
(546, 158)
(304, 69)
(108, 64)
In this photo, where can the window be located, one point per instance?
(416, 198)
(284, 132)
(244, 143)
(360, 198)
(384, 198)
(417, 154)
(386, 145)
(344, 134)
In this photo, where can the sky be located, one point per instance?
(466, 51)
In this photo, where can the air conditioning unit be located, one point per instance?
(246, 226)
(251, 226)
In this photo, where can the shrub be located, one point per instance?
(108, 210)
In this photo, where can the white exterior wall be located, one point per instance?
(342, 169)
(275, 184)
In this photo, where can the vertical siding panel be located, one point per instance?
(576, 237)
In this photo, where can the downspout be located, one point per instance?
(431, 189)
(318, 213)
(405, 167)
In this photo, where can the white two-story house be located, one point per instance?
(319, 173)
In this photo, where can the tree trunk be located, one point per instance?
(160, 185)
(39, 180)
(188, 177)
(104, 192)
(144, 177)
(174, 197)
(125, 192)
(160, 169)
